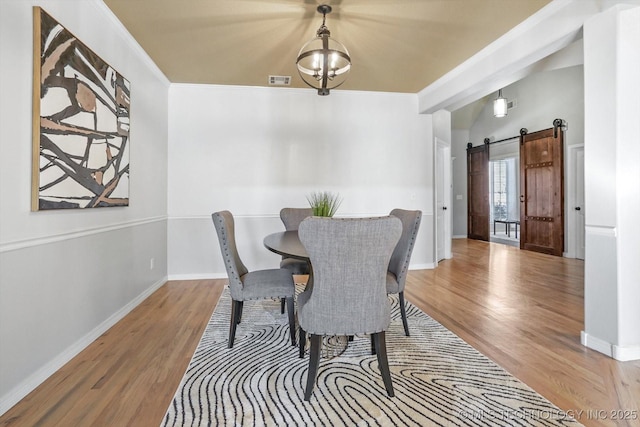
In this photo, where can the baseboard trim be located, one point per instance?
(626, 353)
(199, 276)
(425, 266)
(621, 353)
(211, 276)
(596, 344)
(34, 380)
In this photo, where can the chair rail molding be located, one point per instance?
(75, 234)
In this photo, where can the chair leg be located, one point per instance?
(239, 312)
(314, 361)
(292, 320)
(403, 313)
(282, 301)
(373, 344)
(236, 306)
(383, 363)
(302, 338)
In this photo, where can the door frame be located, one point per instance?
(442, 145)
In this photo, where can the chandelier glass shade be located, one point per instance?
(323, 62)
(500, 105)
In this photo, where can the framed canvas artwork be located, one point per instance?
(80, 123)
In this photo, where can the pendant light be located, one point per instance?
(323, 63)
(500, 105)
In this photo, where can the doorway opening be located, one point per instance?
(539, 177)
(504, 221)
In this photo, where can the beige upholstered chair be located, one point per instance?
(349, 257)
(399, 264)
(245, 285)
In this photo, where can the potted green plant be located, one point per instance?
(324, 203)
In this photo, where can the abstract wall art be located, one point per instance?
(80, 123)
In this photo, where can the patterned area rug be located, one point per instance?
(438, 379)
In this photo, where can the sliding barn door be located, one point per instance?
(541, 191)
(478, 192)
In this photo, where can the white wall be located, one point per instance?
(541, 98)
(612, 183)
(66, 276)
(459, 140)
(255, 150)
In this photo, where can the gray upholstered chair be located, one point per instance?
(399, 264)
(245, 285)
(291, 218)
(349, 258)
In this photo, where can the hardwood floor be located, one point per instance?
(525, 311)
(129, 375)
(522, 309)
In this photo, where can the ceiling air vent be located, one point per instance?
(512, 103)
(279, 80)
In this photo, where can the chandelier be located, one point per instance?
(323, 63)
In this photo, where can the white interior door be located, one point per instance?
(442, 200)
(579, 202)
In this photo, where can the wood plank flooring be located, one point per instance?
(525, 311)
(522, 309)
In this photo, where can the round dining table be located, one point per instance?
(286, 243)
